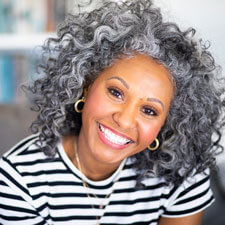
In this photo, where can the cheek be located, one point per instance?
(148, 132)
(95, 105)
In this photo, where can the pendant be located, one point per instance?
(101, 206)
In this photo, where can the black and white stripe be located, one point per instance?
(35, 189)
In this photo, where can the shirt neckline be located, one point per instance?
(115, 176)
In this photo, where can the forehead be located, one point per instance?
(141, 69)
(143, 77)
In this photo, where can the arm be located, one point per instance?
(189, 201)
(16, 204)
(14, 210)
(195, 219)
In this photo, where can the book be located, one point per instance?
(6, 79)
(17, 67)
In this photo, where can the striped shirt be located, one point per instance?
(35, 189)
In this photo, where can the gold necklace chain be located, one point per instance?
(85, 185)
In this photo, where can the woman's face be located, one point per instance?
(125, 108)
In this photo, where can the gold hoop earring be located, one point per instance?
(156, 145)
(77, 103)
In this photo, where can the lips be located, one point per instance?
(113, 138)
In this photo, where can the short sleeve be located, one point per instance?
(192, 196)
(16, 206)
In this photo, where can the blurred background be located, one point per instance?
(25, 25)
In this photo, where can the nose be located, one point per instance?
(126, 116)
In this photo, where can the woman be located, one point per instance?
(136, 146)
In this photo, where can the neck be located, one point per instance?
(90, 167)
(92, 173)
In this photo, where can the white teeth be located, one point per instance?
(112, 137)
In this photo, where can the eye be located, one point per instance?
(115, 92)
(149, 111)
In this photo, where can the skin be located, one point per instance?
(132, 99)
(140, 84)
(195, 219)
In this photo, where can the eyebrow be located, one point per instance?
(155, 100)
(127, 86)
(121, 80)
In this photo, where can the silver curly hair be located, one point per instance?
(88, 42)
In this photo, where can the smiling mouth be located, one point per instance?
(112, 137)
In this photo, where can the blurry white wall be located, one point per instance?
(206, 16)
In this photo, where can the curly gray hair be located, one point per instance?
(89, 42)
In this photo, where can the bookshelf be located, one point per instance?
(25, 25)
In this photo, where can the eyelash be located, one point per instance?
(115, 93)
(151, 113)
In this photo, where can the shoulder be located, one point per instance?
(24, 151)
(192, 196)
(25, 165)
(188, 198)
(21, 147)
(19, 170)
(21, 158)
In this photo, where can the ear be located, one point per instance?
(86, 90)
